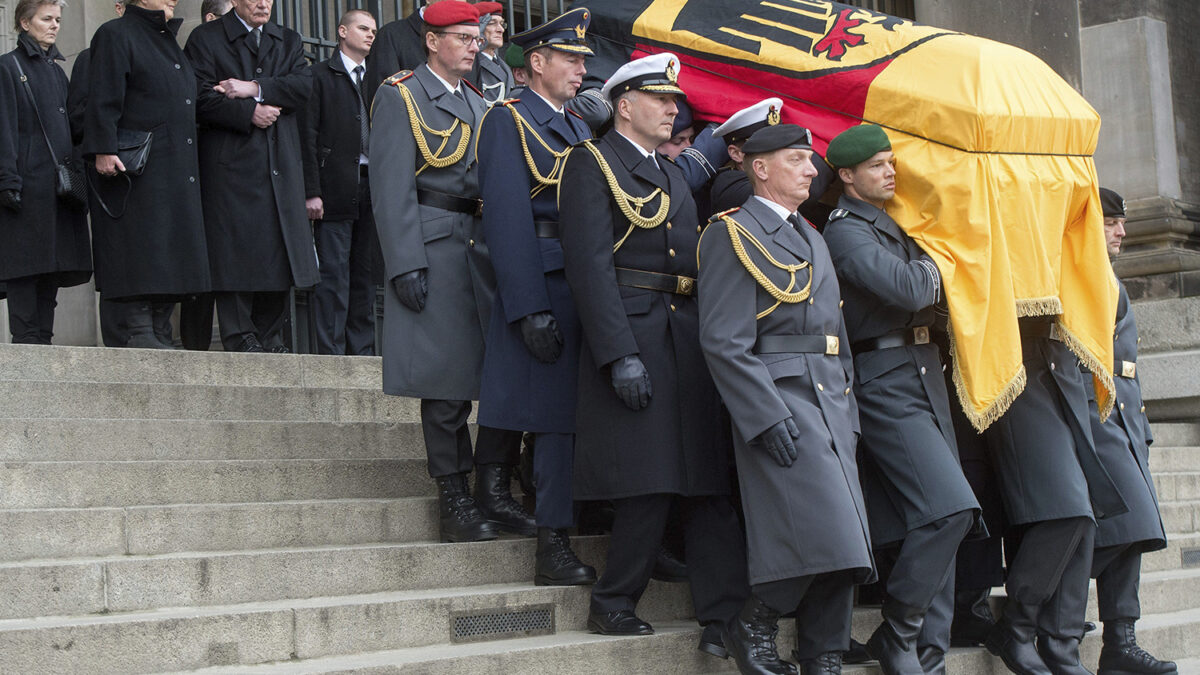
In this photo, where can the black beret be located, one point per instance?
(1112, 203)
(778, 137)
(856, 145)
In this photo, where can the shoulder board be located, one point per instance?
(471, 86)
(398, 78)
(718, 216)
(507, 101)
(572, 112)
(838, 214)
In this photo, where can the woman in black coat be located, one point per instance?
(149, 231)
(43, 241)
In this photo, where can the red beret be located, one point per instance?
(450, 13)
(489, 8)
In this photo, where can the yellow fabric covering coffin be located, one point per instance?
(1004, 197)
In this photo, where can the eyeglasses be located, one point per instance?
(464, 39)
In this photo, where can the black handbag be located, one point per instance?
(69, 182)
(133, 149)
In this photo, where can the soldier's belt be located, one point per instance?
(1039, 328)
(441, 200)
(667, 283)
(1125, 369)
(900, 338)
(798, 344)
(546, 229)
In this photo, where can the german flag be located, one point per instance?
(995, 174)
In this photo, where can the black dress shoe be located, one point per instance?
(493, 495)
(144, 341)
(555, 564)
(711, 641)
(750, 640)
(1061, 656)
(620, 622)
(460, 518)
(668, 568)
(894, 643)
(280, 349)
(855, 655)
(1012, 640)
(249, 343)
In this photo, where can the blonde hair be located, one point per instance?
(27, 8)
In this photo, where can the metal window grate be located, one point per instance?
(500, 624)
(1191, 557)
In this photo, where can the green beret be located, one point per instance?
(514, 56)
(856, 145)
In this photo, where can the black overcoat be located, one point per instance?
(259, 237)
(807, 518)
(329, 137)
(46, 237)
(139, 80)
(398, 46)
(909, 461)
(675, 444)
(1123, 443)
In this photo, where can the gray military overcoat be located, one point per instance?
(493, 77)
(438, 352)
(808, 518)
(911, 475)
(1123, 443)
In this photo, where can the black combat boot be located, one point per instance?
(1012, 639)
(973, 618)
(894, 643)
(555, 563)
(1121, 654)
(461, 519)
(933, 660)
(493, 496)
(829, 663)
(1061, 655)
(750, 640)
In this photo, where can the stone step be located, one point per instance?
(1178, 486)
(252, 633)
(1183, 550)
(135, 401)
(1169, 385)
(672, 649)
(1171, 459)
(92, 364)
(1176, 434)
(27, 485)
(1180, 516)
(175, 528)
(132, 583)
(65, 439)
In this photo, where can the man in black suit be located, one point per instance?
(398, 46)
(334, 135)
(252, 80)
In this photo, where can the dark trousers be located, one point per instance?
(935, 630)
(260, 314)
(553, 473)
(497, 446)
(713, 547)
(1062, 616)
(448, 439)
(344, 300)
(196, 322)
(1049, 568)
(31, 303)
(924, 561)
(1117, 571)
(823, 604)
(113, 329)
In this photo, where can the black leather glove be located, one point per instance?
(779, 441)
(542, 338)
(631, 381)
(413, 288)
(11, 200)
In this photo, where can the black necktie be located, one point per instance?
(364, 126)
(796, 221)
(257, 35)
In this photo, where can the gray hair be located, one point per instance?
(27, 8)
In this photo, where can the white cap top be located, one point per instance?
(654, 73)
(764, 113)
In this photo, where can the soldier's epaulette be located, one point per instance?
(471, 86)
(837, 214)
(397, 78)
(572, 112)
(717, 216)
(508, 101)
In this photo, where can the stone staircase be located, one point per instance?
(246, 513)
